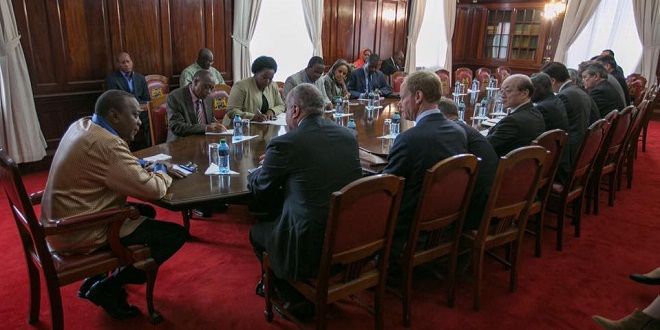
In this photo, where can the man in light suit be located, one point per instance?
(523, 124)
(432, 139)
(393, 64)
(367, 79)
(601, 91)
(304, 166)
(190, 109)
(578, 104)
(310, 75)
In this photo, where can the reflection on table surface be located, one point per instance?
(198, 188)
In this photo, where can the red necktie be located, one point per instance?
(201, 116)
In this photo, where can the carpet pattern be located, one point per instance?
(209, 283)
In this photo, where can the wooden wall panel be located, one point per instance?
(367, 27)
(38, 45)
(188, 21)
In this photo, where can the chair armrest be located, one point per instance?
(35, 198)
(91, 220)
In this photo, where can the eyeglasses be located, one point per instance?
(509, 90)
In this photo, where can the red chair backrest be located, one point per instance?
(464, 76)
(502, 73)
(445, 82)
(586, 155)
(483, 75)
(396, 84)
(158, 85)
(158, 125)
(220, 95)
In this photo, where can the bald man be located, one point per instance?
(204, 62)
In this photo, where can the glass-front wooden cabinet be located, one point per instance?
(520, 43)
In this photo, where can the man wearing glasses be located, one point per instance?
(594, 79)
(204, 62)
(523, 124)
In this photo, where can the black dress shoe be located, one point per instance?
(203, 213)
(114, 303)
(645, 279)
(302, 310)
(87, 284)
(260, 290)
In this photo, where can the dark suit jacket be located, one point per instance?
(116, 80)
(624, 85)
(579, 107)
(479, 146)
(416, 150)
(181, 116)
(305, 165)
(357, 83)
(554, 115)
(517, 129)
(388, 67)
(606, 98)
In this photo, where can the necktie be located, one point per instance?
(369, 83)
(201, 116)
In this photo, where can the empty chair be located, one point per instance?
(573, 191)
(450, 181)
(220, 95)
(355, 234)
(464, 76)
(157, 111)
(158, 85)
(397, 82)
(445, 82)
(553, 141)
(505, 216)
(483, 75)
(59, 270)
(502, 72)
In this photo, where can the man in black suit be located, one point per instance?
(190, 109)
(432, 139)
(595, 82)
(479, 146)
(554, 116)
(127, 80)
(304, 166)
(523, 124)
(610, 65)
(577, 102)
(367, 79)
(393, 64)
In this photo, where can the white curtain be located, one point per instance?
(20, 133)
(578, 14)
(245, 21)
(416, 19)
(313, 11)
(450, 19)
(647, 19)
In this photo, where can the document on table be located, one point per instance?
(158, 157)
(227, 132)
(279, 121)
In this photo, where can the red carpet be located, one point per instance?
(209, 284)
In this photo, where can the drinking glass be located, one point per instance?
(246, 126)
(386, 140)
(213, 153)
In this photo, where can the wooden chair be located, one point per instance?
(607, 162)
(397, 82)
(464, 76)
(502, 72)
(647, 116)
(554, 142)
(158, 85)
(483, 76)
(58, 269)
(280, 87)
(355, 233)
(630, 148)
(450, 181)
(572, 192)
(445, 81)
(158, 120)
(613, 119)
(220, 95)
(505, 216)
(636, 89)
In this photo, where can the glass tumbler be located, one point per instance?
(213, 153)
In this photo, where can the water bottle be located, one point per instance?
(461, 111)
(339, 108)
(396, 124)
(223, 159)
(376, 97)
(372, 98)
(351, 124)
(238, 128)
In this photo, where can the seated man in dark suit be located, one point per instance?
(610, 65)
(432, 139)
(393, 64)
(554, 116)
(367, 79)
(610, 52)
(299, 167)
(127, 80)
(190, 108)
(523, 124)
(595, 82)
(479, 146)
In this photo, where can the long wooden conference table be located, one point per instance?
(198, 190)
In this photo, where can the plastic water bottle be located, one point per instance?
(461, 111)
(339, 105)
(372, 98)
(223, 159)
(376, 97)
(238, 128)
(395, 127)
(351, 124)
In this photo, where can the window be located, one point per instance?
(497, 34)
(432, 41)
(612, 27)
(281, 33)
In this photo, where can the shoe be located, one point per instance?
(650, 278)
(301, 310)
(203, 213)
(114, 303)
(87, 283)
(636, 320)
(260, 290)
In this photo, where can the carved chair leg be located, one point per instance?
(35, 293)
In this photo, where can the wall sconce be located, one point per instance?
(553, 8)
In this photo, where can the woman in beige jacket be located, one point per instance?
(256, 98)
